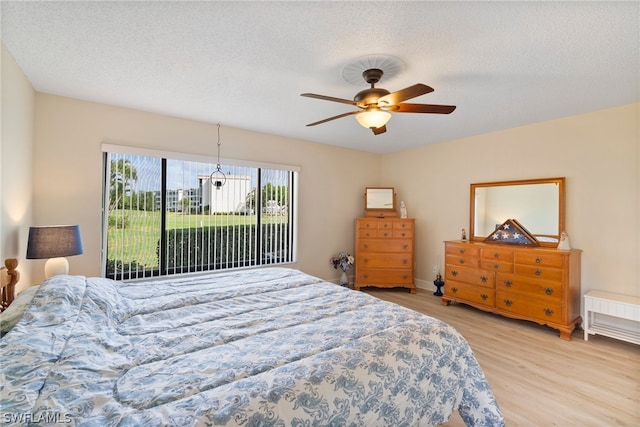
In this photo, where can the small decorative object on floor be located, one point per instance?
(439, 284)
(343, 261)
(463, 234)
(344, 279)
(403, 210)
(564, 244)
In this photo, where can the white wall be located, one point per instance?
(68, 173)
(16, 152)
(599, 155)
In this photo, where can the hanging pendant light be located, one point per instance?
(217, 177)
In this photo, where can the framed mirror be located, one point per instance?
(537, 204)
(380, 201)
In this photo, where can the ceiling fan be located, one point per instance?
(375, 103)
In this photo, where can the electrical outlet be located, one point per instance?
(435, 269)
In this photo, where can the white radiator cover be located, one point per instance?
(614, 305)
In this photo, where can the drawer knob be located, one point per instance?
(405, 261)
(461, 260)
(508, 302)
(385, 234)
(366, 246)
(366, 276)
(484, 297)
(496, 266)
(454, 273)
(496, 255)
(483, 279)
(548, 291)
(548, 311)
(538, 272)
(508, 283)
(368, 235)
(405, 246)
(461, 251)
(454, 290)
(366, 260)
(538, 260)
(403, 234)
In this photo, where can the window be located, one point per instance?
(163, 215)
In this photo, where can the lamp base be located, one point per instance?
(439, 284)
(56, 266)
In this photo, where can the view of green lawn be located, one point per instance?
(138, 241)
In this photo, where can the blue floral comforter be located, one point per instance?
(268, 347)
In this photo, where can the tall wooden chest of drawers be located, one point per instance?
(531, 283)
(384, 253)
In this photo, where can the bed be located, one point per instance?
(273, 346)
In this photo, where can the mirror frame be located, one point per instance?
(561, 205)
(372, 209)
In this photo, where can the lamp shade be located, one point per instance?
(373, 118)
(54, 241)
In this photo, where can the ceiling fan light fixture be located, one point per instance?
(373, 118)
(375, 103)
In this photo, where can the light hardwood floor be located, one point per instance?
(537, 378)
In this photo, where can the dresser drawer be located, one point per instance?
(544, 273)
(456, 260)
(497, 266)
(462, 254)
(402, 233)
(385, 230)
(547, 311)
(367, 223)
(385, 225)
(498, 254)
(470, 293)
(385, 260)
(545, 290)
(366, 233)
(385, 276)
(389, 233)
(462, 249)
(472, 276)
(381, 245)
(403, 225)
(540, 259)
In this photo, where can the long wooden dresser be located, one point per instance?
(531, 283)
(384, 253)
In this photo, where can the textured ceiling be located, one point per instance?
(245, 64)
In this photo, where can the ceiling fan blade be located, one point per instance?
(378, 131)
(328, 98)
(423, 108)
(397, 97)
(333, 118)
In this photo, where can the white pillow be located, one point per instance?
(14, 312)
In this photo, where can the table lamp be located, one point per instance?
(54, 243)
